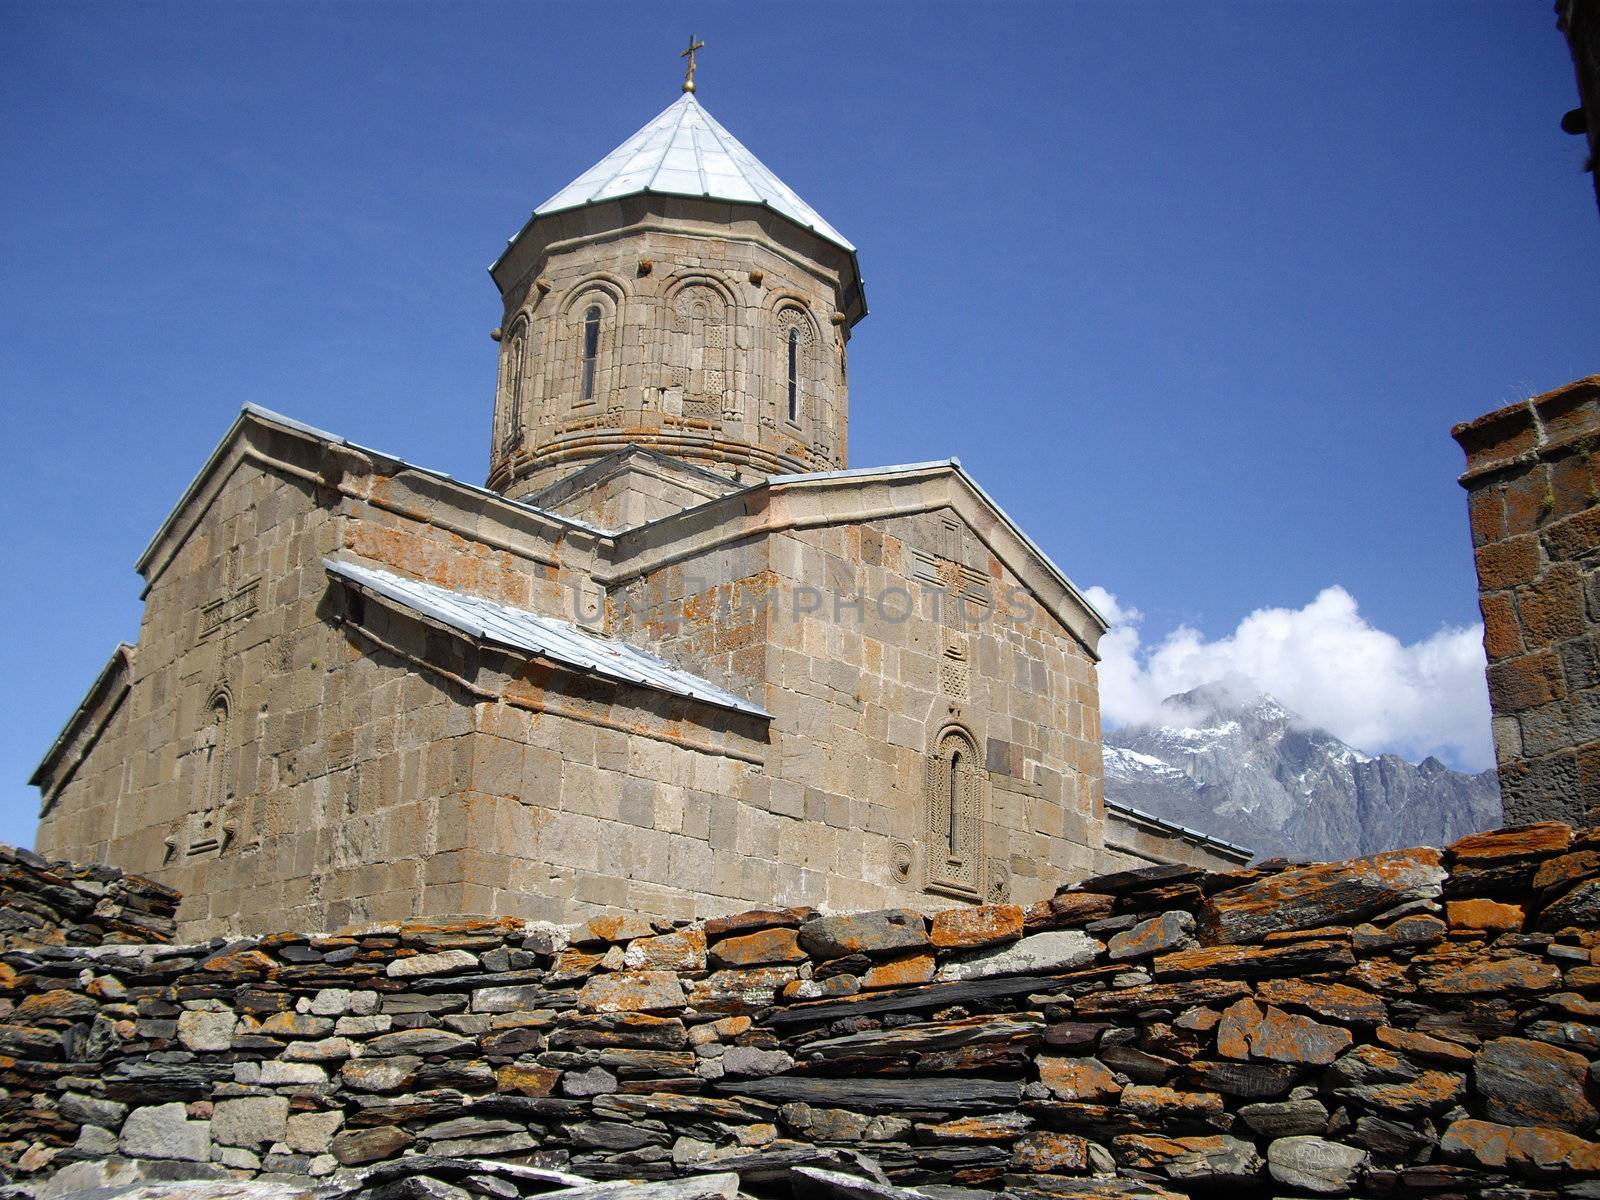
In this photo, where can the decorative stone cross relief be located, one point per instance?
(231, 609)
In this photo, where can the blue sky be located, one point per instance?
(1195, 291)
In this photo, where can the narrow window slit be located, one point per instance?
(591, 350)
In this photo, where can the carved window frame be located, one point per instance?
(567, 364)
(955, 799)
(792, 317)
(514, 373)
(700, 360)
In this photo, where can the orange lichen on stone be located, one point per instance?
(1522, 841)
(982, 925)
(899, 972)
(1491, 916)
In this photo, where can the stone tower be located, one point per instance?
(677, 297)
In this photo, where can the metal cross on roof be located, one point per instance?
(688, 75)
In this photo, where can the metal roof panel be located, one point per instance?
(685, 152)
(541, 636)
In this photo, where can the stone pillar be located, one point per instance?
(1533, 489)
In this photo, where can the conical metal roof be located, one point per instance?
(685, 152)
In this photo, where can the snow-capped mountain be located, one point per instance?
(1240, 766)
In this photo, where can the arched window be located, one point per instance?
(218, 750)
(794, 373)
(515, 378)
(591, 351)
(953, 795)
(794, 364)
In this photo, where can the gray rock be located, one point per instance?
(1531, 1083)
(236, 1158)
(274, 1073)
(1217, 1159)
(312, 1132)
(877, 933)
(95, 1142)
(249, 1120)
(1286, 1118)
(720, 1186)
(1314, 1165)
(515, 998)
(851, 1187)
(751, 1062)
(465, 1127)
(1170, 931)
(207, 1031)
(331, 1002)
(363, 1026)
(165, 1131)
(927, 1093)
(418, 1041)
(1041, 954)
(596, 1081)
(388, 1074)
(90, 1110)
(355, 1146)
(319, 1051)
(444, 962)
(484, 1147)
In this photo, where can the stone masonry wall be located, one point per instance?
(62, 903)
(1419, 1023)
(1533, 487)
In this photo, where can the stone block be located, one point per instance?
(444, 962)
(1525, 682)
(249, 1120)
(165, 1131)
(764, 946)
(634, 991)
(981, 925)
(1509, 563)
(1037, 954)
(206, 1031)
(1315, 1165)
(877, 933)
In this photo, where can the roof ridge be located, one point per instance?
(721, 167)
(683, 104)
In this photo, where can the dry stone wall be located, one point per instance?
(64, 903)
(1419, 1023)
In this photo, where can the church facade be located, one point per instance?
(677, 657)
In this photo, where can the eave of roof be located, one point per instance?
(121, 660)
(528, 633)
(859, 476)
(265, 416)
(1229, 849)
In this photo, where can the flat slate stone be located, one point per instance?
(1314, 1165)
(875, 933)
(1138, 879)
(934, 995)
(1308, 897)
(947, 1093)
(1038, 954)
(1530, 1083)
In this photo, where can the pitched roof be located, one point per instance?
(83, 727)
(685, 152)
(544, 637)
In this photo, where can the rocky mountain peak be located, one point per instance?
(1236, 762)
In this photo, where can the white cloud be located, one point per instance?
(1324, 661)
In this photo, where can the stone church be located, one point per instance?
(676, 657)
